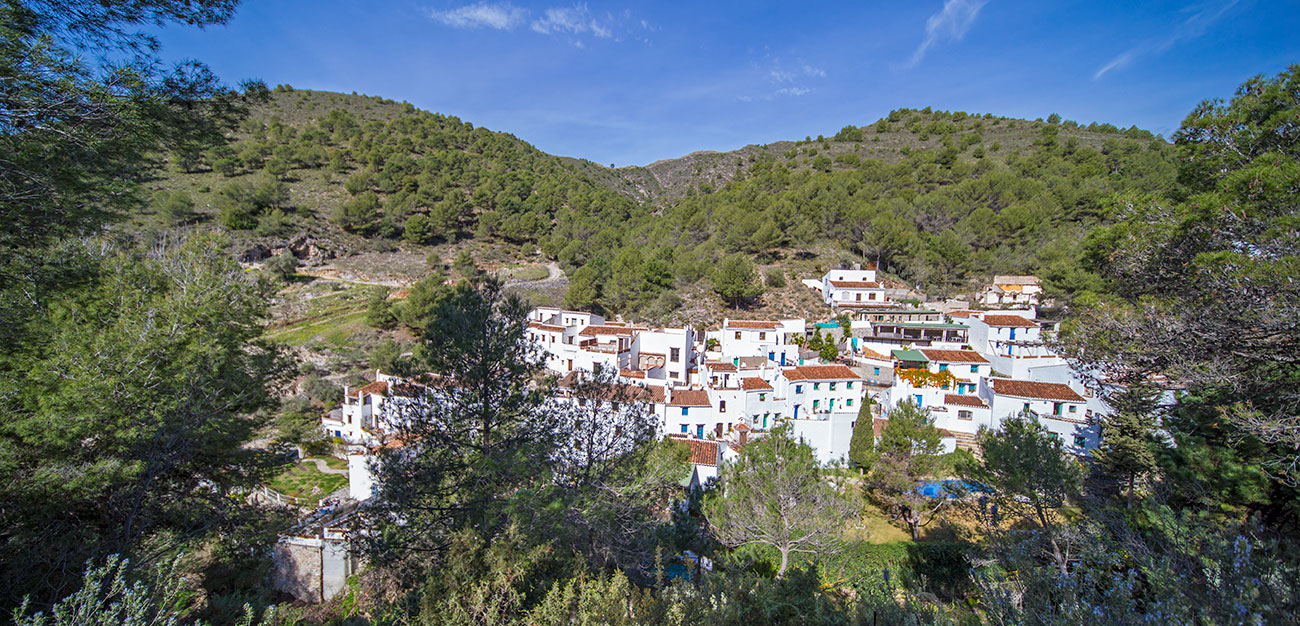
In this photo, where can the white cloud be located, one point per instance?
(1202, 18)
(501, 16)
(794, 91)
(814, 71)
(574, 20)
(950, 23)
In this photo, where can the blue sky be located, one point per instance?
(629, 83)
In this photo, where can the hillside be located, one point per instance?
(367, 188)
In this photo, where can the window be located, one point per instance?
(675, 374)
(1080, 441)
(832, 386)
(859, 297)
(684, 410)
(848, 402)
(1026, 406)
(798, 388)
(1074, 408)
(943, 367)
(699, 431)
(815, 403)
(974, 369)
(737, 335)
(675, 354)
(872, 296)
(876, 371)
(762, 397)
(848, 385)
(685, 429)
(817, 386)
(964, 415)
(722, 406)
(1056, 408)
(762, 336)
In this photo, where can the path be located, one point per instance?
(555, 279)
(326, 469)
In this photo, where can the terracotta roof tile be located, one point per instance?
(953, 356)
(379, 387)
(751, 383)
(702, 452)
(959, 400)
(721, 366)
(1009, 320)
(542, 326)
(1036, 390)
(820, 372)
(751, 324)
(594, 331)
(689, 397)
(855, 284)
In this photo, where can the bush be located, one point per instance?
(775, 277)
(282, 265)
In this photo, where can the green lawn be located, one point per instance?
(306, 482)
(333, 462)
(529, 272)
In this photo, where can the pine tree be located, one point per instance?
(862, 447)
(1127, 451)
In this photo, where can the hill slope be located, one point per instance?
(938, 199)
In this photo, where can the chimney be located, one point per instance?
(857, 266)
(668, 392)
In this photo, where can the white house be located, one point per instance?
(360, 419)
(967, 366)
(849, 288)
(1011, 291)
(1006, 334)
(766, 338)
(1058, 407)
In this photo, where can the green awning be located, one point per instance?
(910, 355)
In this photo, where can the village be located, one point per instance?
(718, 389)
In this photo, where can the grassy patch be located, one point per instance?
(307, 482)
(527, 272)
(336, 330)
(332, 462)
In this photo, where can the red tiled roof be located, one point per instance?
(872, 354)
(752, 324)
(631, 374)
(1009, 320)
(1036, 390)
(689, 397)
(820, 372)
(955, 399)
(961, 313)
(545, 326)
(379, 387)
(751, 383)
(953, 356)
(742, 427)
(593, 331)
(721, 366)
(702, 452)
(855, 284)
